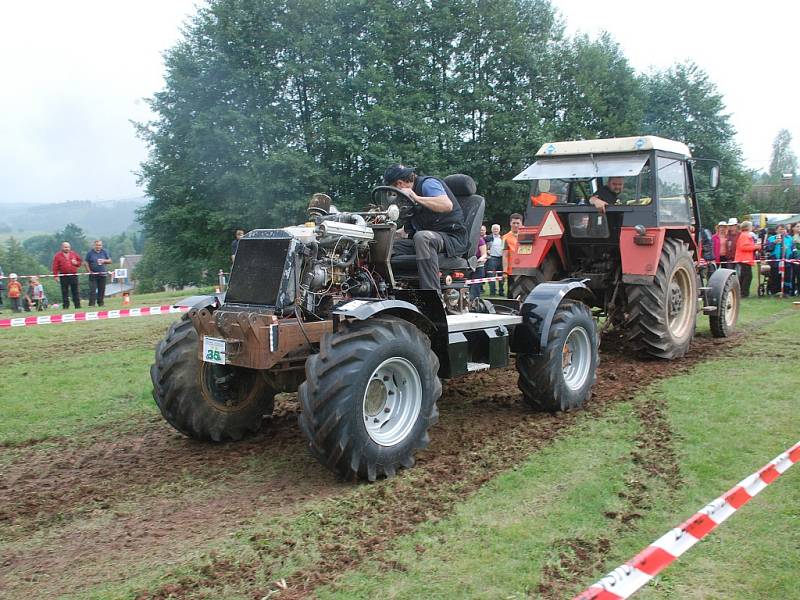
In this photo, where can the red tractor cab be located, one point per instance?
(622, 215)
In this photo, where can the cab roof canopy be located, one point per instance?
(613, 145)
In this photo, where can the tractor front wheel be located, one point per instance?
(562, 375)
(206, 401)
(522, 285)
(662, 315)
(723, 322)
(370, 397)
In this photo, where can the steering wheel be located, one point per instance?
(400, 198)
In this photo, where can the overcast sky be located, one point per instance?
(74, 75)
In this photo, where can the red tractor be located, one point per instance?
(639, 252)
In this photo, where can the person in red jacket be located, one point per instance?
(65, 267)
(744, 257)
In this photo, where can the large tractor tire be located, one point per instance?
(662, 316)
(522, 285)
(370, 397)
(562, 376)
(724, 321)
(206, 401)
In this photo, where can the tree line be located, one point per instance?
(268, 101)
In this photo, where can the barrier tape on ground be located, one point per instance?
(92, 316)
(626, 579)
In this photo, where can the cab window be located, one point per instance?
(673, 197)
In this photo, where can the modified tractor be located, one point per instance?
(326, 310)
(639, 252)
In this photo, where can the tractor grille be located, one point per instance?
(262, 272)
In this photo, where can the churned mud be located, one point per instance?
(77, 514)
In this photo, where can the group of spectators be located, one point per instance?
(492, 254)
(65, 267)
(738, 246)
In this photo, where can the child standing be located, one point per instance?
(14, 292)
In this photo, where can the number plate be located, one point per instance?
(525, 249)
(213, 350)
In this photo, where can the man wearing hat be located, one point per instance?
(436, 223)
(720, 241)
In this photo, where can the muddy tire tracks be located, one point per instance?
(148, 493)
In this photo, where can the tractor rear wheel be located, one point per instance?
(206, 401)
(662, 315)
(562, 375)
(370, 397)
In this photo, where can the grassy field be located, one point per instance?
(103, 500)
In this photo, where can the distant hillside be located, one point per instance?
(106, 217)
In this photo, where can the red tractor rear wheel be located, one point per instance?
(662, 315)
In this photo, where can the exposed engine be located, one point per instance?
(342, 253)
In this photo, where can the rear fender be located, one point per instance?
(538, 310)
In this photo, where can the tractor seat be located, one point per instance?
(473, 206)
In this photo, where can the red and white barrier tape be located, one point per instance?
(625, 580)
(19, 277)
(483, 280)
(92, 316)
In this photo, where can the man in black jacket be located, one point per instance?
(608, 193)
(436, 224)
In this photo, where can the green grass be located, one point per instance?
(62, 379)
(730, 416)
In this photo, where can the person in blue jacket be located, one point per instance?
(780, 247)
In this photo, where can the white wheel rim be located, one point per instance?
(392, 401)
(680, 307)
(576, 358)
(731, 307)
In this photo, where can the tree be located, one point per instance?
(42, 247)
(783, 157)
(75, 236)
(683, 104)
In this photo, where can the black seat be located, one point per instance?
(473, 206)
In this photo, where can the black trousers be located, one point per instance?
(97, 289)
(426, 245)
(745, 273)
(69, 283)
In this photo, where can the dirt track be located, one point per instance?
(81, 513)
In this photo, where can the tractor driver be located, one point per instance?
(436, 223)
(608, 193)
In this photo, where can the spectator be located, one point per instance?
(65, 268)
(483, 232)
(510, 247)
(482, 255)
(96, 260)
(745, 257)
(494, 264)
(14, 292)
(719, 241)
(733, 237)
(34, 297)
(2, 286)
(796, 254)
(779, 247)
(239, 234)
